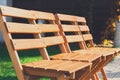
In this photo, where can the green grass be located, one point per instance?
(7, 71)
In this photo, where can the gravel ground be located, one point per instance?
(113, 69)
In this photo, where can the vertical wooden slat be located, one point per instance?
(62, 46)
(43, 51)
(13, 54)
(62, 33)
(84, 28)
(72, 20)
(50, 17)
(81, 44)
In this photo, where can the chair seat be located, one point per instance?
(103, 51)
(49, 67)
(77, 57)
(112, 50)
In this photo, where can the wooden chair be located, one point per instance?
(78, 37)
(72, 38)
(108, 53)
(60, 69)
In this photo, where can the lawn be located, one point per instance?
(7, 71)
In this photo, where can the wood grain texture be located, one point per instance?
(74, 38)
(16, 12)
(21, 44)
(43, 15)
(84, 28)
(64, 17)
(87, 37)
(70, 28)
(31, 28)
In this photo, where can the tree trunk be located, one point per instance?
(117, 34)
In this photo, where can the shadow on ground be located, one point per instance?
(8, 78)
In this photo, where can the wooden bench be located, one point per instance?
(76, 22)
(60, 69)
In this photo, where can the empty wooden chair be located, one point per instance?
(105, 52)
(70, 31)
(108, 53)
(61, 70)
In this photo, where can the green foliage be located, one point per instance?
(108, 32)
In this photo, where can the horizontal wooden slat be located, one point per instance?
(72, 68)
(48, 28)
(70, 28)
(49, 41)
(16, 12)
(21, 44)
(74, 38)
(84, 28)
(87, 37)
(56, 65)
(80, 19)
(65, 17)
(22, 28)
(43, 15)
(78, 56)
(87, 57)
(31, 28)
(63, 56)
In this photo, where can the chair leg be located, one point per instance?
(93, 77)
(92, 71)
(96, 76)
(103, 74)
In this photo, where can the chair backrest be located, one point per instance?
(85, 31)
(70, 30)
(55, 38)
(9, 29)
